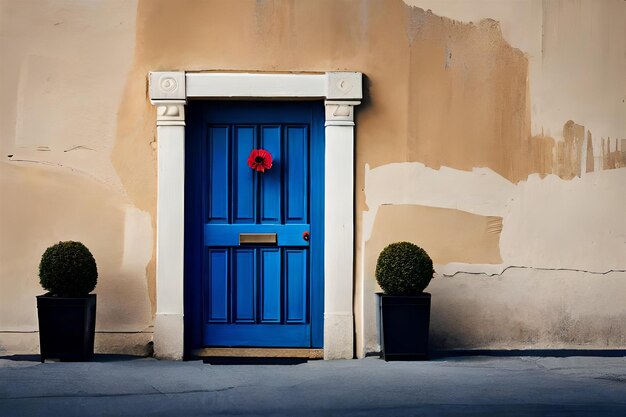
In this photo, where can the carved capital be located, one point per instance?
(170, 112)
(167, 86)
(340, 113)
(344, 86)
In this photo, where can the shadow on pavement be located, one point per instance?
(100, 357)
(434, 355)
(546, 353)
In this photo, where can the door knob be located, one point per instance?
(306, 236)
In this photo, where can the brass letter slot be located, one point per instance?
(252, 238)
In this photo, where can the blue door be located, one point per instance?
(254, 240)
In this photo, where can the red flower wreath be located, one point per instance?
(260, 160)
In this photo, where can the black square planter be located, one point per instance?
(66, 327)
(405, 324)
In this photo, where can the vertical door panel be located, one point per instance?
(217, 287)
(244, 195)
(296, 174)
(270, 287)
(296, 274)
(244, 277)
(217, 170)
(271, 180)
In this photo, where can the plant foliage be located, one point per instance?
(403, 269)
(68, 269)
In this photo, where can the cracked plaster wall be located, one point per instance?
(561, 281)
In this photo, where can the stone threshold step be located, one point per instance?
(305, 353)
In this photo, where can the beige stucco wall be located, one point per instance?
(490, 139)
(64, 67)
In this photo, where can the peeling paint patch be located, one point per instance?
(589, 161)
(447, 235)
(547, 222)
(448, 58)
(415, 21)
(569, 151)
(574, 156)
(613, 156)
(565, 43)
(468, 104)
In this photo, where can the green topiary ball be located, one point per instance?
(403, 269)
(68, 269)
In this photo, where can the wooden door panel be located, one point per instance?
(271, 184)
(216, 289)
(296, 282)
(244, 285)
(270, 310)
(296, 174)
(244, 179)
(218, 169)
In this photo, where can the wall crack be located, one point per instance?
(534, 269)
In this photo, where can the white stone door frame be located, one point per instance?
(342, 91)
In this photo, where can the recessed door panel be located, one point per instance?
(296, 174)
(296, 280)
(271, 285)
(218, 174)
(244, 284)
(244, 181)
(271, 192)
(216, 287)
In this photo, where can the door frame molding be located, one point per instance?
(341, 92)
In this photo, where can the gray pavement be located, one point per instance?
(452, 386)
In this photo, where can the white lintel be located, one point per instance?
(331, 85)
